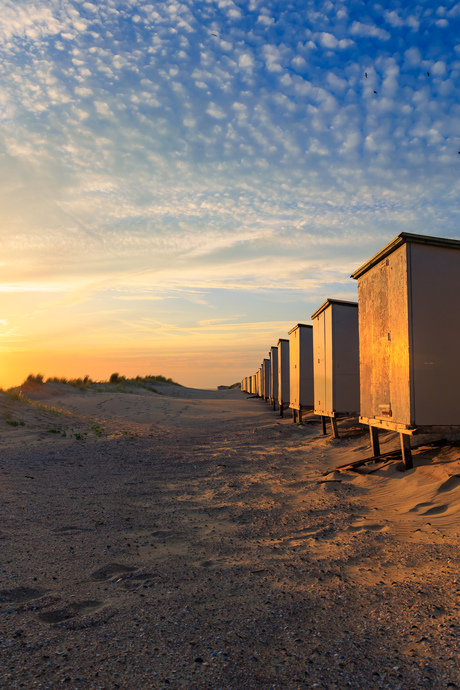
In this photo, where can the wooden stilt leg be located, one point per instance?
(294, 416)
(323, 425)
(274, 404)
(281, 411)
(406, 451)
(335, 431)
(375, 444)
(300, 416)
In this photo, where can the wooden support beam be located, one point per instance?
(335, 431)
(281, 411)
(323, 425)
(375, 444)
(406, 451)
(300, 416)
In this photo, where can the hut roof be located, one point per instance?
(302, 325)
(402, 238)
(328, 302)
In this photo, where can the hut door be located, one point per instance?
(381, 344)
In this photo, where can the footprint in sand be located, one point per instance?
(450, 484)
(418, 506)
(436, 510)
(20, 595)
(375, 527)
(81, 608)
(71, 529)
(108, 571)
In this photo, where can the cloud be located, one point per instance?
(368, 31)
(140, 150)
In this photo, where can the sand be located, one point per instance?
(192, 540)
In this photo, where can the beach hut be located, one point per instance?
(273, 376)
(266, 375)
(259, 382)
(409, 329)
(300, 370)
(336, 361)
(283, 375)
(253, 384)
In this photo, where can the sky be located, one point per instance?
(184, 181)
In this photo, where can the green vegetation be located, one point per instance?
(34, 378)
(86, 383)
(98, 430)
(139, 380)
(81, 383)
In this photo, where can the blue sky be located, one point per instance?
(184, 181)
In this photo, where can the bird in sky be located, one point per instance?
(427, 74)
(375, 91)
(365, 74)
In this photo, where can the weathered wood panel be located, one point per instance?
(283, 372)
(345, 358)
(319, 365)
(301, 366)
(336, 358)
(273, 373)
(435, 283)
(384, 340)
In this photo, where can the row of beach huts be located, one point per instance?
(392, 358)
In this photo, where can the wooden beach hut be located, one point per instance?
(259, 382)
(273, 376)
(283, 375)
(336, 361)
(300, 370)
(409, 329)
(266, 377)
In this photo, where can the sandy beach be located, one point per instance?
(193, 539)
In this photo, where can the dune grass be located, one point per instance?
(122, 383)
(19, 397)
(149, 378)
(81, 383)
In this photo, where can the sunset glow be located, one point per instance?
(183, 182)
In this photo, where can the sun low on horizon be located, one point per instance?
(182, 182)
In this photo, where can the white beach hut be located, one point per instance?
(336, 361)
(273, 376)
(266, 379)
(283, 375)
(300, 370)
(409, 329)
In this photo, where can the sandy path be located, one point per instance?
(191, 546)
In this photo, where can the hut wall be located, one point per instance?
(273, 373)
(336, 359)
(435, 336)
(301, 366)
(266, 378)
(384, 339)
(283, 372)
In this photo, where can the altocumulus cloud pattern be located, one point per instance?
(219, 135)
